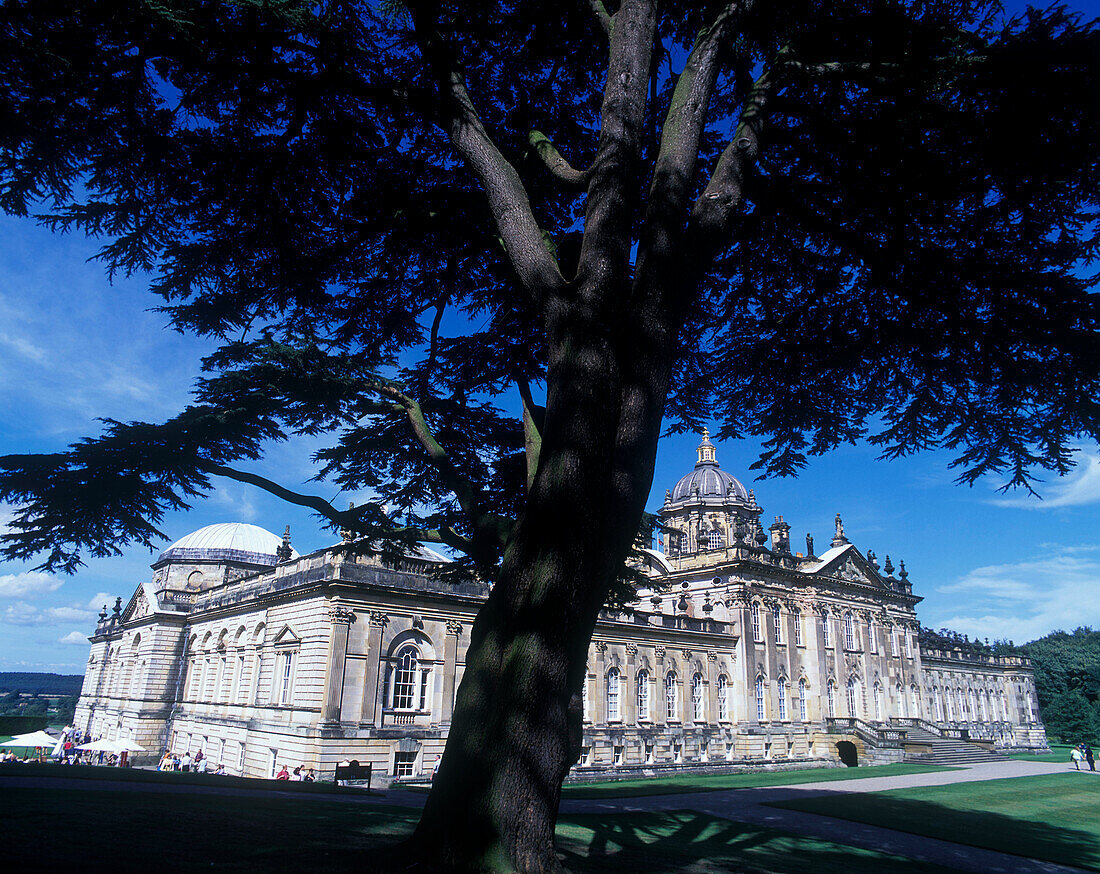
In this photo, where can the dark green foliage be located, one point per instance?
(13, 725)
(281, 172)
(40, 684)
(1067, 680)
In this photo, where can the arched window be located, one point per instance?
(849, 632)
(614, 713)
(757, 634)
(914, 701)
(900, 693)
(877, 689)
(802, 699)
(830, 697)
(950, 705)
(585, 703)
(715, 540)
(671, 710)
(643, 695)
(798, 638)
(697, 705)
(405, 677)
(781, 685)
(777, 623)
(982, 699)
(937, 704)
(826, 635)
(853, 696)
(723, 698)
(761, 707)
(972, 702)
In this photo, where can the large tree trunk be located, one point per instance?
(516, 729)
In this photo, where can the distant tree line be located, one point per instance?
(1067, 679)
(1067, 675)
(41, 684)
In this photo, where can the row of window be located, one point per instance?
(848, 621)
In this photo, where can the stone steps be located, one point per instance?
(948, 751)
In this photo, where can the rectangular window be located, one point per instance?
(238, 681)
(272, 762)
(618, 754)
(404, 764)
(798, 628)
(240, 757)
(826, 636)
(872, 638)
(648, 751)
(893, 642)
(286, 677)
(908, 646)
(782, 699)
(777, 624)
(757, 634)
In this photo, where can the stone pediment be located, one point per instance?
(846, 563)
(142, 603)
(286, 637)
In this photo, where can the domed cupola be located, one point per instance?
(217, 553)
(708, 483)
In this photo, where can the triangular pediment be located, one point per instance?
(286, 637)
(138, 607)
(847, 563)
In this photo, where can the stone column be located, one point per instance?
(599, 706)
(628, 686)
(712, 688)
(657, 704)
(450, 668)
(749, 661)
(341, 620)
(371, 690)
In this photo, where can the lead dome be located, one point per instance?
(227, 540)
(708, 480)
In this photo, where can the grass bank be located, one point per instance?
(1052, 817)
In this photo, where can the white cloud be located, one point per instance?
(1026, 599)
(99, 600)
(238, 501)
(22, 613)
(74, 637)
(1076, 489)
(27, 584)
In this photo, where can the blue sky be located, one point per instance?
(74, 347)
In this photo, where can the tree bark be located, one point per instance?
(516, 729)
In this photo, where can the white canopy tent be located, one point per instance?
(33, 739)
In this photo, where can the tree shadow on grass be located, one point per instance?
(1050, 822)
(671, 841)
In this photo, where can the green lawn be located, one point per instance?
(1058, 753)
(711, 782)
(1054, 817)
(97, 830)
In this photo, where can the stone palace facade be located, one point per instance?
(744, 653)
